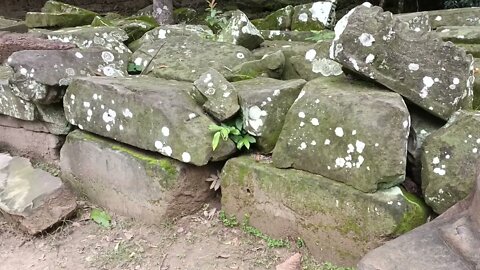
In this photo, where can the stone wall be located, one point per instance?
(18, 8)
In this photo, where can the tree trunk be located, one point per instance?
(163, 11)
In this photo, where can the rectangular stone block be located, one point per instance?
(132, 182)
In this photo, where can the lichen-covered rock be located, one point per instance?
(52, 116)
(460, 34)
(265, 103)
(131, 182)
(32, 198)
(186, 59)
(476, 87)
(446, 17)
(316, 62)
(448, 158)
(10, 104)
(286, 35)
(278, 20)
(377, 45)
(165, 31)
(313, 16)
(12, 26)
(58, 14)
(348, 131)
(135, 26)
(338, 223)
(149, 113)
(14, 42)
(42, 75)
(423, 124)
(240, 31)
(108, 37)
(221, 96)
(271, 65)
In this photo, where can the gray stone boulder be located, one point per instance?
(446, 17)
(58, 14)
(338, 223)
(448, 157)
(460, 34)
(313, 16)
(42, 75)
(347, 131)
(32, 198)
(221, 99)
(10, 104)
(286, 35)
(265, 103)
(382, 47)
(278, 20)
(14, 42)
(166, 31)
(271, 65)
(149, 113)
(131, 182)
(12, 25)
(186, 59)
(110, 38)
(240, 31)
(451, 241)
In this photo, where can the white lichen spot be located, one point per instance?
(165, 131)
(370, 58)
(360, 161)
(360, 146)
(79, 55)
(435, 160)
(303, 17)
(413, 67)
(428, 82)
(95, 96)
(186, 157)
(340, 162)
(127, 113)
(159, 145)
(162, 34)
(456, 81)
(438, 18)
(86, 104)
(109, 116)
(108, 127)
(313, 143)
(315, 122)
(276, 92)
(439, 171)
(120, 127)
(447, 157)
(474, 150)
(138, 61)
(310, 55)
(191, 116)
(339, 132)
(376, 145)
(405, 124)
(240, 55)
(107, 57)
(366, 39)
(302, 146)
(167, 150)
(301, 114)
(327, 142)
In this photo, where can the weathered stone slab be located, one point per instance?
(37, 145)
(134, 26)
(446, 17)
(278, 20)
(14, 42)
(316, 62)
(12, 26)
(348, 131)
(10, 104)
(460, 34)
(338, 223)
(240, 31)
(265, 103)
(131, 182)
(186, 59)
(166, 31)
(149, 113)
(313, 16)
(58, 14)
(473, 49)
(271, 65)
(31, 197)
(286, 35)
(59, 127)
(42, 75)
(382, 47)
(448, 157)
(451, 241)
(221, 96)
(108, 37)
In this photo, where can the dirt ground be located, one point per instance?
(200, 241)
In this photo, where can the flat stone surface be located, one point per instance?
(12, 25)
(31, 197)
(447, 158)
(460, 34)
(338, 223)
(149, 113)
(377, 45)
(271, 65)
(451, 241)
(286, 35)
(278, 20)
(348, 131)
(58, 14)
(313, 16)
(14, 42)
(187, 58)
(265, 103)
(42, 75)
(447, 17)
(131, 182)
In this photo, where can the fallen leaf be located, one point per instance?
(101, 217)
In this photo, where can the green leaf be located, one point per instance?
(101, 217)
(225, 133)
(240, 144)
(239, 123)
(246, 143)
(251, 139)
(234, 131)
(236, 138)
(216, 140)
(214, 128)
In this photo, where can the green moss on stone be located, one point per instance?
(415, 216)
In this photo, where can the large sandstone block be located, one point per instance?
(348, 131)
(338, 223)
(379, 46)
(240, 31)
(149, 113)
(10, 104)
(133, 182)
(12, 25)
(58, 14)
(32, 198)
(313, 16)
(448, 156)
(447, 17)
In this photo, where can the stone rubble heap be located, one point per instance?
(358, 131)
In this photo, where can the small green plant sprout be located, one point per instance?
(300, 243)
(271, 242)
(228, 221)
(235, 132)
(101, 217)
(214, 18)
